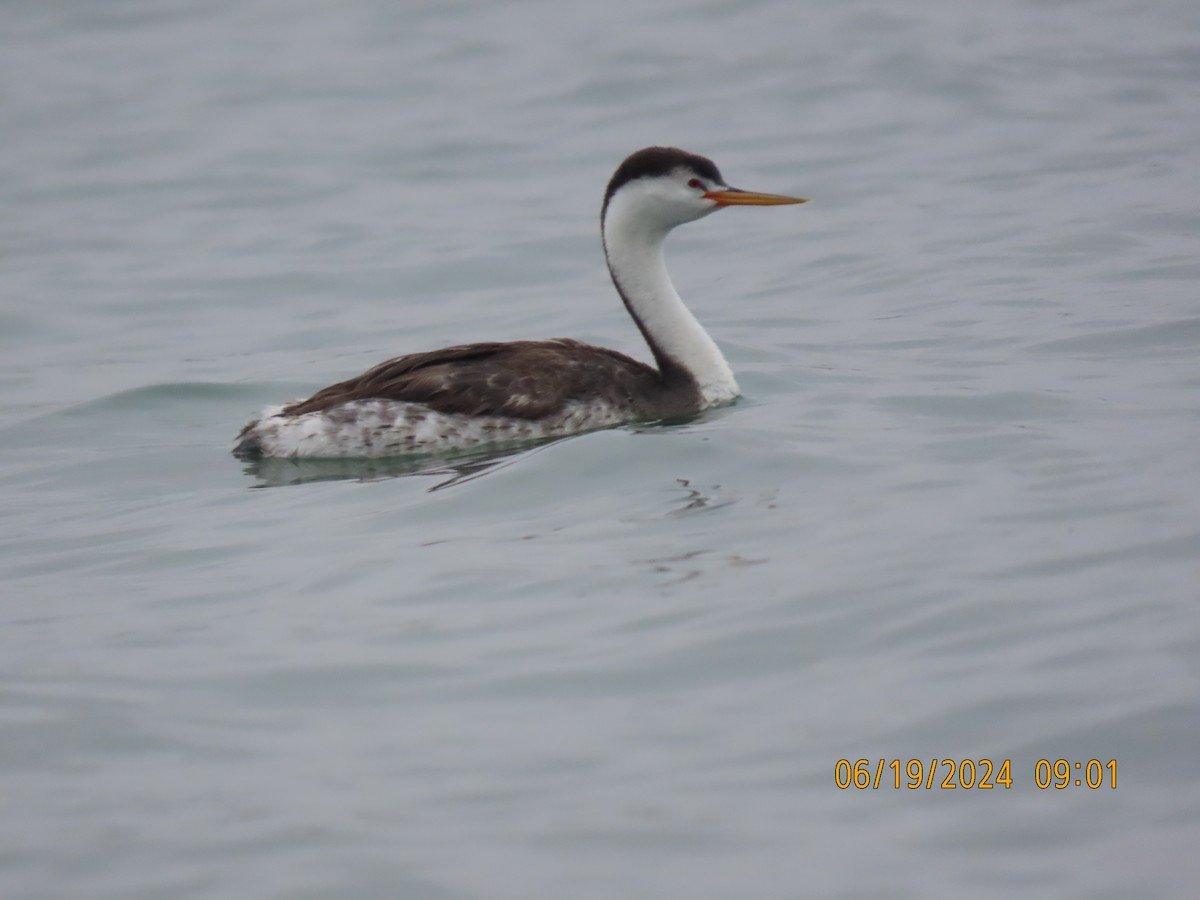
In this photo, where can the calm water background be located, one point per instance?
(956, 516)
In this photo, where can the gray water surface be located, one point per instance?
(956, 515)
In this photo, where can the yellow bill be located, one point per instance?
(736, 197)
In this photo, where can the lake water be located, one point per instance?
(956, 516)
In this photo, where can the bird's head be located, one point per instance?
(662, 187)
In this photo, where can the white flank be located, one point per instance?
(379, 428)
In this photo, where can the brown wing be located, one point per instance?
(523, 379)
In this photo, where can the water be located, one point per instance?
(955, 517)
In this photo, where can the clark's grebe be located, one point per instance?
(476, 395)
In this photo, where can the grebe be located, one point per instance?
(477, 395)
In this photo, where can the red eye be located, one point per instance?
(696, 183)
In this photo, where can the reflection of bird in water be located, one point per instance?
(458, 469)
(489, 394)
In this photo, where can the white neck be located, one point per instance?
(633, 246)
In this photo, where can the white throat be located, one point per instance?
(633, 246)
